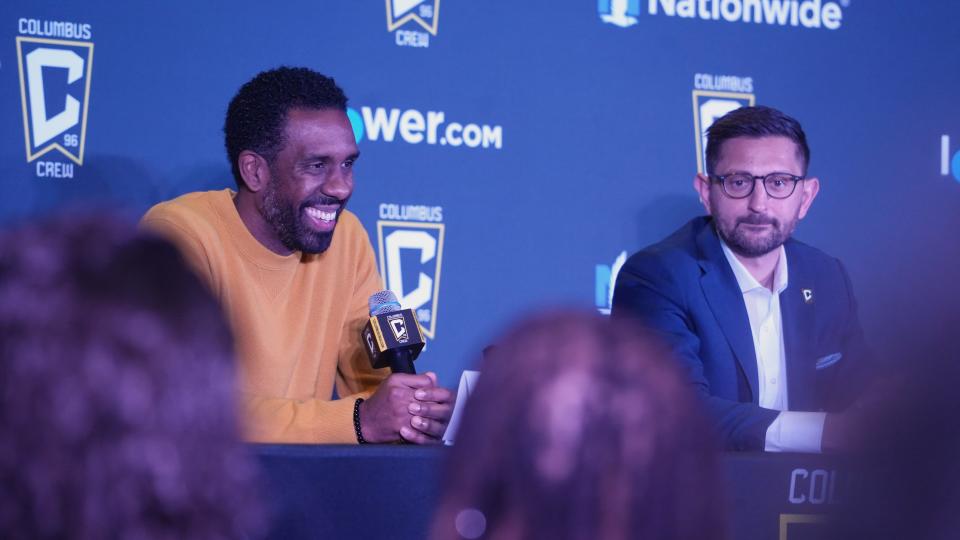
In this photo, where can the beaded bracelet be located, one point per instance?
(356, 421)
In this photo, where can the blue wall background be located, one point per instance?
(597, 148)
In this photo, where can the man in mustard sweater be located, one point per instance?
(295, 292)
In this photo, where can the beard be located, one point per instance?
(752, 244)
(288, 219)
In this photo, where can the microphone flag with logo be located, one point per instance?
(392, 336)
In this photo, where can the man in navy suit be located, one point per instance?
(766, 327)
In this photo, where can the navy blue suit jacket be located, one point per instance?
(684, 288)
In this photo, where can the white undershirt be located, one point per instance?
(792, 431)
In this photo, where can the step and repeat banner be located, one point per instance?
(514, 152)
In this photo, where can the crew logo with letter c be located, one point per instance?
(397, 239)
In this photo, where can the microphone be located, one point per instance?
(392, 336)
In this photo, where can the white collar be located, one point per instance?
(746, 281)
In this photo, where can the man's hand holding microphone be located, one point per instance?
(406, 406)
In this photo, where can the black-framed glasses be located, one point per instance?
(741, 185)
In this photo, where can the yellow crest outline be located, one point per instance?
(432, 330)
(76, 158)
(787, 519)
(698, 133)
(432, 27)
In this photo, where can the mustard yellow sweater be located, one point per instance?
(296, 319)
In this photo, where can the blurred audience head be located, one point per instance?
(906, 475)
(117, 412)
(580, 427)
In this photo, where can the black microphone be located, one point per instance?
(392, 336)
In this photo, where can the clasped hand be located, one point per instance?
(408, 407)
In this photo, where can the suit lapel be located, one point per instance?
(797, 319)
(726, 301)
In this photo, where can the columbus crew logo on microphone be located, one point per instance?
(398, 327)
(55, 77)
(410, 245)
(713, 97)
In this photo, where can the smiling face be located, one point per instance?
(309, 181)
(758, 224)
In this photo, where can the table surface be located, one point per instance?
(390, 491)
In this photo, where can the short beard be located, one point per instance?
(288, 223)
(751, 247)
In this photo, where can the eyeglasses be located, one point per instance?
(741, 185)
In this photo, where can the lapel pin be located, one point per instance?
(808, 296)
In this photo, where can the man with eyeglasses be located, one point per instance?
(765, 326)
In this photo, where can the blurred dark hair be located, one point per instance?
(907, 471)
(581, 428)
(117, 411)
(257, 115)
(754, 122)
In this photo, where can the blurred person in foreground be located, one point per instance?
(905, 479)
(117, 413)
(581, 427)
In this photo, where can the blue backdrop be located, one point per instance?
(512, 150)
